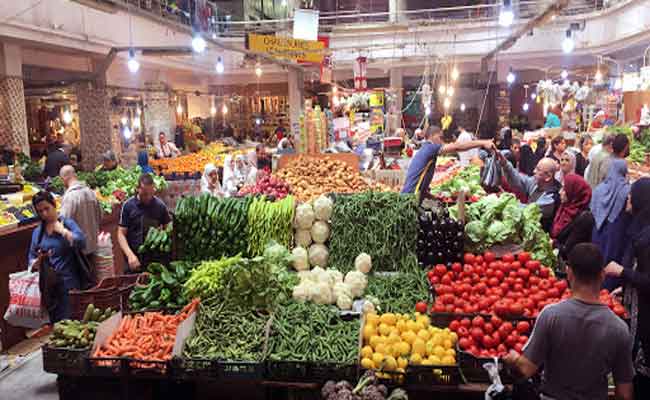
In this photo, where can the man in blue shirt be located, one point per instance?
(423, 164)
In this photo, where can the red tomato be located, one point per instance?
(446, 280)
(502, 349)
(523, 339)
(496, 321)
(523, 257)
(544, 272)
(511, 340)
(478, 322)
(489, 272)
(430, 274)
(504, 286)
(466, 322)
(519, 348)
(469, 258)
(499, 275)
(561, 285)
(477, 334)
(553, 292)
(473, 350)
(449, 308)
(488, 328)
(435, 280)
(518, 287)
(532, 265)
(462, 332)
(468, 268)
(544, 284)
(439, 270)
(506, 267)
(457, 268)
(478, 259)
(516, 265)
(523, 327)
(493, 282)
(463, 343)
(619, 310)
(489, 256)
(421, 307)
(534, 280)
(488, 342)
(528, 303)
(496, 336)
(516, 309)
(523, 273)
(438, 308)
(508, 257)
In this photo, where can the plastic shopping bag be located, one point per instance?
(496, 391)
(491, 174)
(25, 301)
(104, 262)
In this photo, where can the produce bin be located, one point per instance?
(240, 370)
(447, 375)
(64, 361)
(194, 369)
(111, 292)
(287, 371)
(323, 372)
(473, 371)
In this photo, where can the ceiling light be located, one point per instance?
(427, 110)
(179, 109)
(511, 77)
(198, 44)
(67, 117)
(506, 17)
(224, 109)
(132, 64)
(446, 103)
(598, 76)
(258, 70)
(442, 89)
(124, 120)
(284, 3)
(454, 73)
(126, 132)
(568, 44)
(334, 89)
(213, 110)
(219, 67)
(564, 74)
(566, 82)
(258, 121)
(462, 107)
(136, 122)
(450, 91)
(533, 96)
(525, 107)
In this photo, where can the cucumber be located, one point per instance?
(89, 312)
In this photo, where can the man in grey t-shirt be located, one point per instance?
(579, 341)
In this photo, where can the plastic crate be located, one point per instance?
(287, 371)
(442, 320)
(111, 292)
(148, 369)
(194, 369)
(473, 371)
(107, 367)
(63, 361)
(240, 370)
(323, 372)
(446, 375)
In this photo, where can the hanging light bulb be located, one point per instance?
(124, 120)
(454, 73)
(427, 110)
(533, 96)
(258, 70)
(126, 132)
(136, 123)
(213, 110)
(506, 16)
(335, 101)
(334, 89)
(132, 64)
(219, 66)
(446, 103)
(566, 83)
(258, 121)
(450, 91)
(138, 111)
(525, 107)
(599, 76)
(564, 74)
(179, 109)
(511, 77)
(462, 107)
(284, 3)
(67, 117)
(224, 109)
(442, 89)
(568, 44)
(198, 43)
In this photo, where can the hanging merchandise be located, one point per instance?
(313, 131)
(326, 70)
(360, 76)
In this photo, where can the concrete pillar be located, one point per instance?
(395, 108)
(296, 99)
(94, 123)
(503, 105)
(13, 116)
(394, 7)
(158, 115)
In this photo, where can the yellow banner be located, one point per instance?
(298, 50)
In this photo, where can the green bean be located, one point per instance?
(400, 291)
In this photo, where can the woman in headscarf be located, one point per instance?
(573, 221)
(540, 151)
(567, 165)
(210, 181)
(143, 162)
(229, 183)
(244, 172)
(608, 208)
(526, 159)
(634, 272)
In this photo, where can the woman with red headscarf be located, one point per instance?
(573, 221)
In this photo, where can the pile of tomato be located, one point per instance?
(509, 287)
(490, 338)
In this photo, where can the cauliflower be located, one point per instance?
(334, 276)
(341, 289)
(300, 259)
(344, 302)
(305, 216)
(321, 293)
(303, 237)
(307, 276)
(319, 275)
(320, 232)
(318, 255)
(368, 308)
(357, 282)
(363, 263)
(301, 292)
(323, 207)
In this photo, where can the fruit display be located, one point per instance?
(268, 186)
(191, 163)
(73, 334)
(440, 237)
(392, 342)
(490, 337)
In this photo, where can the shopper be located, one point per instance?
(579, 341)
(608, 207)
(52, 253)
(558, 146)
(280, 131)
(80, 204)
(143, 162)
(423, 164)
(56, 159)
(263, 159)
(553, 118)
(139, 213)
(514, 155)
(634, 273)
(582, 158)
(541, 188)
(527, 159)
(210, 181)
(166, 149)
(229, 183)
(573, 221)
(245, 174)
(109, 161)
(599, 163)
(567, 165)
(468, 155)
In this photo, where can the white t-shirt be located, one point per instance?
(468, 155)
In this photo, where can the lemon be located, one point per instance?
(393, 338)
(424, 320)
(426, 361)
(419, 347)
(412, 326)
(366, 352)
(450, 352)
(415, 359)
(453, 336)
(368, 331)
(404, 348)
(402, 362)
(429, 347)
(377, 359)
(447, 344)
(390, 364)
(375, 340)
(388, 319)
(418, 327)
(384, 329)
(372, 319)
(423, 334)
(367, 363)
(401, 326)
(435, 360)
(381, 348)
(439, 351)
(436, 339)
(448, 360)
(409, 337)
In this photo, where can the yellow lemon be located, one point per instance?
(447, 344)
(393, 338)
(435, 360)
(390, 364)
(377, 358)
(426, 361)
(402, 362)
(419, 347)
(394, 331)
(424, 320)
(372, 319)
(368, 331)
(401, 326)
(454, 337)
(381, 348)
(439, 351)
(429, 347)
(450, 352)
(448, 360)
(412, 326)
(388, 319)
(375, 340)
(409, 337)
(423, 334)
(366, 352)
(404, 348)
(418, 327)
(367, 363)
(384, 329)
(415, 359)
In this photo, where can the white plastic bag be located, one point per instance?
(25, 301)
(104, 262)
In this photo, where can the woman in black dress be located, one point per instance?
(582, 158)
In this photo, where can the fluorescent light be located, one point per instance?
(533, 96)
(455, 74)
(258, 70)
(334, 89)
(442, 89)
(224, 109)
(511, 77)
(506, 17)
(179, 109)
(598, 76)
(132, 64)
(213, 110)
(568, 44)
(126, 132)
(198, 44)
(446, 103)
(526, 107)
(462, 107)
(427, 110)
(124, 120)
(219, 67)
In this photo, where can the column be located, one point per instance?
(158, 115)
(94, 123)
(296, 99)
(13, 116)
(395, 108)
(394, 7)
(503, 105)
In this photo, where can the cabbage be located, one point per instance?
(363, 263)
(323, 207)
(318, 255)
(305, 216)
(498, 232)
(320, 232)
(303, 237)
(474, 231)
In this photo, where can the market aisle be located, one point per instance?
(29, 381)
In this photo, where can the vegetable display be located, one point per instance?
(440, 238)
(312, 232)
(639, 141)
(490, 338)
(384, 225)
(209, 228)
(502, 220)
(74, 334)
(158, 240)
(312, 332)
(226, 331)
(399, 291)
(268, 186)
(269, 221)
(368, 388)
(164, 289)
(391, 342)
(467, 179)
(147, 337)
